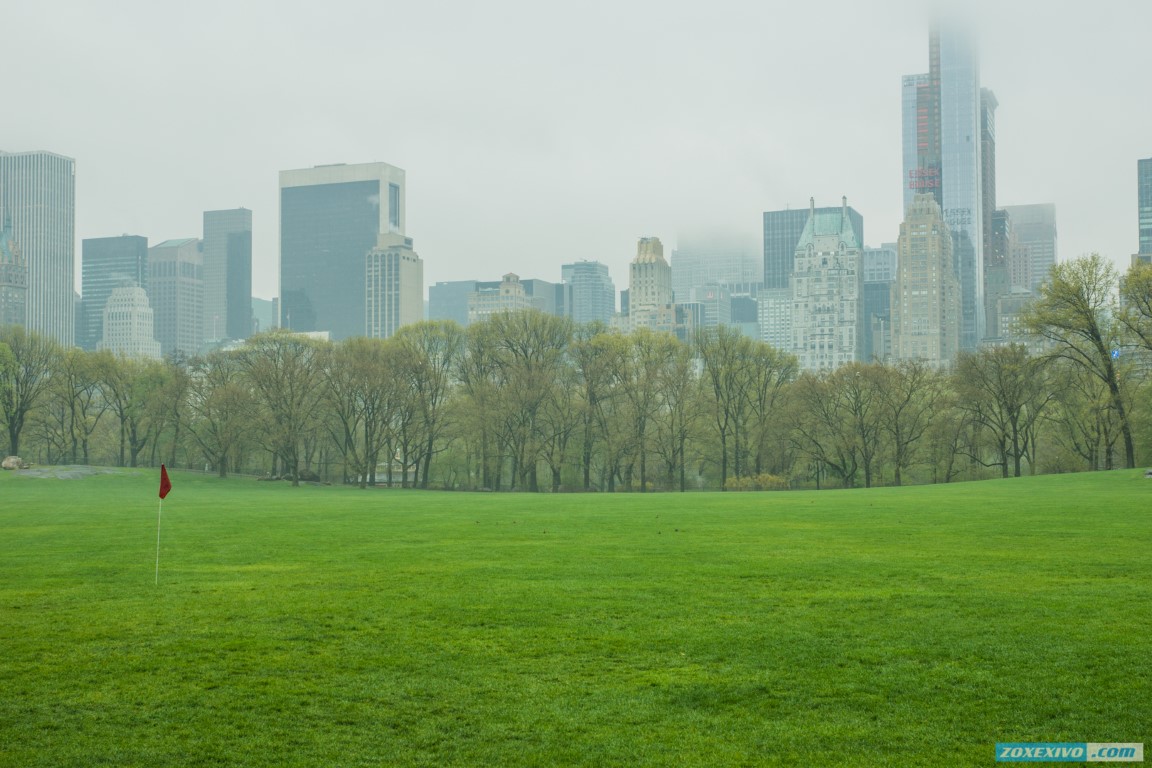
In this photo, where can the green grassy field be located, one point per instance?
(337, 627)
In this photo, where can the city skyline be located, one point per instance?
(560, 119)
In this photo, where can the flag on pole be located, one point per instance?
(165, 483)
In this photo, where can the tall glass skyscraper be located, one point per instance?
(1144, 192)
(38, 190)
(330, 219)
(943, 130)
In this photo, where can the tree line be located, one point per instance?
(527, 401)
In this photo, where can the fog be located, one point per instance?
(534, 134)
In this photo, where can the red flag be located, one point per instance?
(165, 483)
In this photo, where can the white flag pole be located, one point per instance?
(158, 513)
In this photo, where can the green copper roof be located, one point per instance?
(835, 223)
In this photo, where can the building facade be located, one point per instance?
(394, 287)
(13, 278)
(331, 216)
(1033, 244)
(1144, 203)
(650, 288)
(593, 292)
(107, 263)
(508, 295)
(176, 291)
(926, 293)
(38, 190)
(128, 324)
(826, 286)
(782, 231)
(946, 120)
(879, 268)
(715, 260)
(227, 257)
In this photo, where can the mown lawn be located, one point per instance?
(337, 627)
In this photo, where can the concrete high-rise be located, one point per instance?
(107, 263)
(176, 290)
(393, 285)
(1144, 201)
(650, 288)
(13, 278)
(128, 324)
(782, 231)
(38, 189)
(946, 120)
(227, 254)
(826, 288)
(593, 293)
(331, 216)
(926, 293)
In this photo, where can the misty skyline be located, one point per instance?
(534, 136)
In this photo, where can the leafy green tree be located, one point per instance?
(678, 389)
(25, 377)
(1136, 301)
(1077, 315)
(130, 388)
(284, 372)
(434, 348)
(597, 354)
(222, 408)
(911, 393)
(722, 352)
(1005, 391)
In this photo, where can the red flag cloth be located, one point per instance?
(165, 483)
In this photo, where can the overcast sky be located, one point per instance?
(536, 133)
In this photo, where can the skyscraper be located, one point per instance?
(176, 290)
(879, 273)
(394, 286)
(716, 259)
(129, 327)
(107, 263)
(227, 256)
(925, 295)
(944, 121)
(330, 218)
(826, 287)
(782, 230)
(1144, 196)
(38, 189)
(13, 278)
(650, 288)
(1033, 230)
(593, 293)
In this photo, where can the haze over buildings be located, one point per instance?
(504, 156)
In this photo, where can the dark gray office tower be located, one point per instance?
(879, 267)
(227, 274)
(107, 263)
(782, 231)
(1144, 190)
(330, 218)
(593, 293)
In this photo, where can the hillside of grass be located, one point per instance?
(331, 626)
